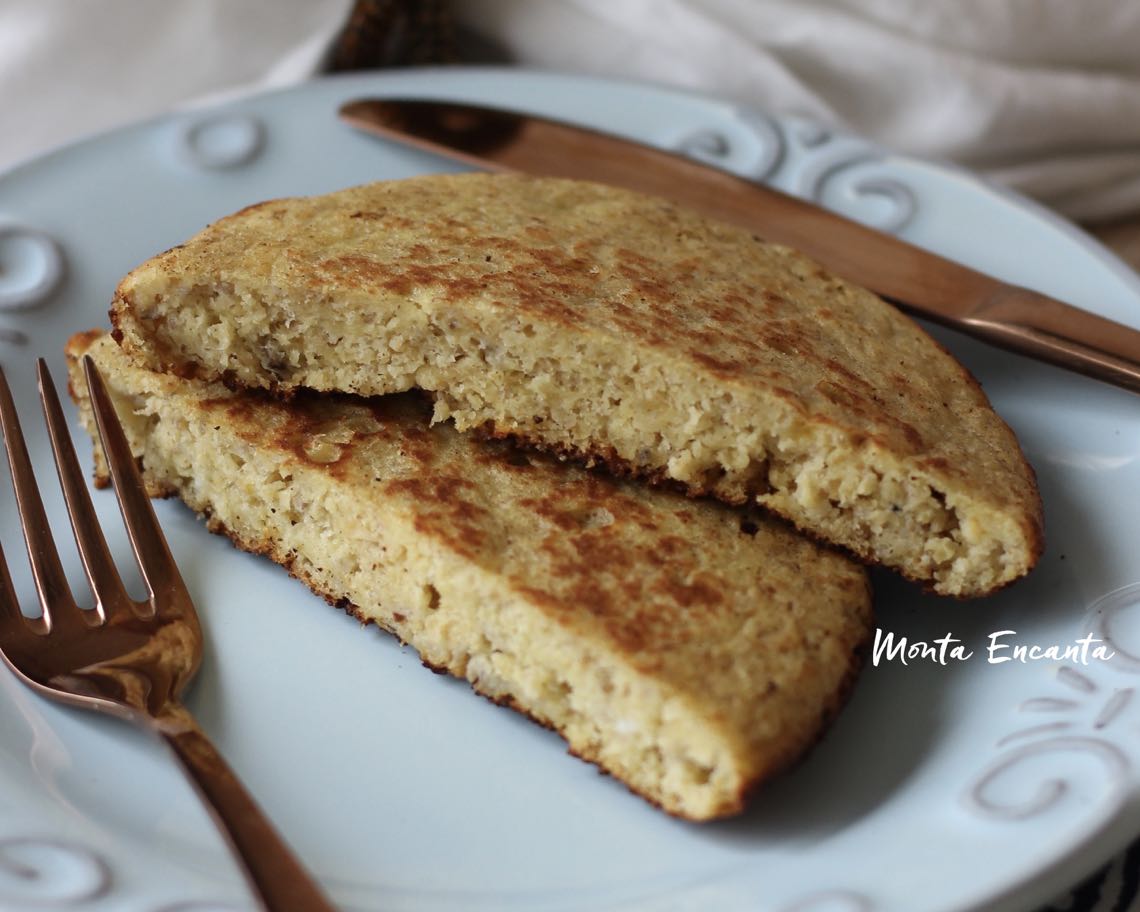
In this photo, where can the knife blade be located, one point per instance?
(919, 282)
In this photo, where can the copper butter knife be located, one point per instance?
(921, 283)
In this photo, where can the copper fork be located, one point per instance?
(127, 658)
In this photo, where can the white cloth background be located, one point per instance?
(69, 68)
(1043, 95)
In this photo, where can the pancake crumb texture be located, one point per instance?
(687, 650)
(605, 324)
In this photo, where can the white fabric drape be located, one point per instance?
(1043, 95)
(73, 67)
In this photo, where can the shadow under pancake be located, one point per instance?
(890, 724)
(893, 722)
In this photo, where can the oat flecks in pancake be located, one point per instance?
(607, 324)
(689, 657)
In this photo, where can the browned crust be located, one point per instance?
(742, 324)
(268, 549)
(1032, 520)
(608, 459)
(792, 759)
(76, 346)
(779, 756)
(790, 756)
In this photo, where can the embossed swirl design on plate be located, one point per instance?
(218, 142)
(47, 873)
(50, 873)
(1087, 717)
(810, 161)
(31, 270)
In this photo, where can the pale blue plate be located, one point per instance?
(943, 787)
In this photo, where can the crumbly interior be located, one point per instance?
(301, 506)
(636, 410)
(615, 327)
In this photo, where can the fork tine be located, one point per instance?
(51, 582)
(13, 624)
(159, 571)
(8, 603)
(105, 582)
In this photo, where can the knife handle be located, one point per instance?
(1044, 328)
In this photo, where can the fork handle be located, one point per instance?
(273, 871)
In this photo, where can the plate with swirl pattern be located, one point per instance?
(989, 760)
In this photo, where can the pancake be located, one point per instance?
(610, 326)
(688, 649)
